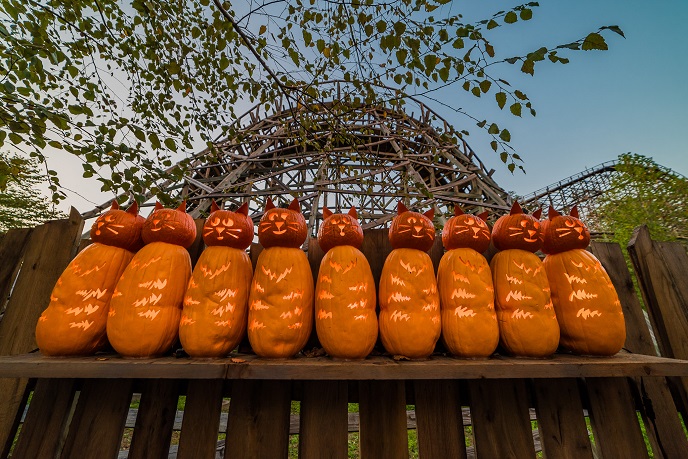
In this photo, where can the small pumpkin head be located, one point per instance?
(562, 232)
(173, 226)
(466, 231)
(119, 228)
(340, 229)
(227, 228)
(517, 230)
(412, 230)
(282, 227)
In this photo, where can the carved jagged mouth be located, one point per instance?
(417, 235)
(530, 240)
(155, 229)
(279, 232)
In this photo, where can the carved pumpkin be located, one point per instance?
(215, 309)
(464, 281)
(584, 298)
(345, 318)
(409, 302)
(280, 316)
(146, 307)
(74, 321)
(527, 322)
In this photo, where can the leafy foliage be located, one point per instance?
(128, 86)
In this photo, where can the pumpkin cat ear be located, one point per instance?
(538, 213)
(182, 206)
(158, 205)
(115, 205)
(214, 207)
(457, 210)
(484, 216)
(352, 212)
(294, 205)
(552, 212)
(516, 209)
(133, 208)
(574, 212)
(269, 204)
(327, 213)
(243, 209)
(430, 213)
(401, 208)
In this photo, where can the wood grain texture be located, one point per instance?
(613, 418)
(376, 247)
(258, 424)
(98, 422)
(44, 427)
(155, 419)
(439, 419)
(324, 420)
(561, 422)
(11, 252)
(201, 419)
(382, 410)
(501, 420)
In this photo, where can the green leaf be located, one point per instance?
(476, 91)
(505, 135)
(493, 129)
(594, 41)
(430, 61)
(399, 27)
(492, 24)
(520, 95)
(515, 109)
(401, 56)
(444, 73)
(615, 29)
(458, 43)
(503, 156)
(154, 140)
(170, 144)
(262, 29)
(494, 145)
(501, 99)
(526, 14)
(482, 124)
(485, 85)
(510, 17)
(381, 26)
(528, 67)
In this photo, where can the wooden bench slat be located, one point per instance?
(324, 429)
(382, 410)
(258, 424)
(155, 419)
(439, 420)
(98, 422)
(201, 419)
(560, 419)
(501, 419)
(614, 420)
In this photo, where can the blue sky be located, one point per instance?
(633, 97)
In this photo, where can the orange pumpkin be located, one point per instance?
(213, 320)
(146, 307)
(74, 321)
(345, 318)
(280, 316)
(585, 300)
(527, 322)
(464, 281)
(409, 302)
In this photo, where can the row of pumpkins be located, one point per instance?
(134, 287)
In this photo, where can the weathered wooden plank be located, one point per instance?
(98, 422)
(560, 419)
(48, 250)
(44, 428)
(376, 247)
(439, 419)
(11, 252)
(324, 368)
(613, 418)
(658, 409)
(501, 421)
(382, 412)
(258, 424)
(197, 247)
(201, 419)
(18, 391)
(155, 419)
(324, 420)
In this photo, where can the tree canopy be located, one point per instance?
(128, 86)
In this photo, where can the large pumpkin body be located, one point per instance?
(409, 304)
(146, 307)
(469, 321)
(527, 322)
(345, 299)
(280, 316)
(586, 303)
(215, 310)
(74, 322)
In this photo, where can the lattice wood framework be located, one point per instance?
(338, 156)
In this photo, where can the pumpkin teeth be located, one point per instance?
(585, 313)
(463, 311)
(462, 293)
(84, 324)
(517, 295)
(573, 278)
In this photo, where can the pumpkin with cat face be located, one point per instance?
(147, 303)
(527, 322)
(345, 318)
(215, 308)
(280, 315)
(74, 321)
(585, 300)
(464, 280)
(409, 302)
